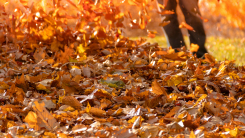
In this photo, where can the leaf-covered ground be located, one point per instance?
(90, 81)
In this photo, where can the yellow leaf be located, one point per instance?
(10, 124)
(41, 87)
(69, 108)
(193, 79)
(234, 132)
(31, 119)
(160, 61)
(233, 75)
(82, 58)
(134, 118)
(88, 108)
(81, 49)
(61, 98)
(55, 65)
(192, 135)
(200, 99)
(222, 69)
(199, 90)
(75, 67)
(230, 47)
(47, 33)
(173, 97)
(182, 115)
(194, 47)
(174, 80)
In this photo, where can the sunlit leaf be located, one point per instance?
(194, 48)
(185, 25)
(157, 89)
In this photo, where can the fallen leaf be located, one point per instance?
(71, 101)
(157, 89)
(97, 112)
(44, 118)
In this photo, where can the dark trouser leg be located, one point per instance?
(172, 29)
(192, 15)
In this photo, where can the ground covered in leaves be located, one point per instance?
(90, 81)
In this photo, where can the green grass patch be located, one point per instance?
(220, 48)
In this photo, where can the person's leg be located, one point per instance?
(172, 29)
(192, 15)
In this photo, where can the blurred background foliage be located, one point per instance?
(223, 21)
(221, 18)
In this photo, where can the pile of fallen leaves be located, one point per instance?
(90, 81)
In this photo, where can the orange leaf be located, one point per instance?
(157, 89)
(164, 23)
(209, 58)
(194, 47)
(172, 112)
(192, 135)
(71, 101)
(97, 112)
(166, 12)
(41, 117)
(161, 6)
(185, 25)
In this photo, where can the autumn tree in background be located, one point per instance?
(233, 11)
(225, 17)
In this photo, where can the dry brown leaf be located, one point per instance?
(21, 83)
(97, 112)
(39, 55)
(172, 112)
(86, 72)
(209, 58)
(71, 101)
